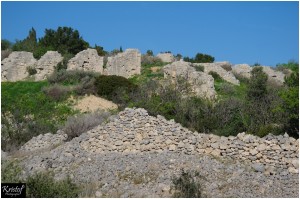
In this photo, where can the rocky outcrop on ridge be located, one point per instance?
(136, 154)
(45, 66)
(202, 84)
(14, 67)
(87, 60)
(125, 64)
(166, 57)
(244, 70)
(218, 68)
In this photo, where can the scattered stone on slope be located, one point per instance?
(14, 67)
(202, 84)
(218, 68)
(125, 64)
(242, 70)
(166, 57)
(45, 66)
(87, 60)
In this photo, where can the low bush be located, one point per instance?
(187, 185)
(76, 125)
(215, 75)
(10, 171)
(56, 92)
(151, 60)
(70, 77)
(199, 68)
(108, 86)
(43, 185)
(31, 70)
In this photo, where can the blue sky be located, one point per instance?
(238, 32)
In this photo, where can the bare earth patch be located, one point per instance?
(92, 103)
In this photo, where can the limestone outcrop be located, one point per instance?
(87, 60)
(218, 67)
(244, 70)
(202, 84)
(125, 64)
(166, 57)
(14, 67)
(45, 66)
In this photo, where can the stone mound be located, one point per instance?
(136, 155)
(166, 57)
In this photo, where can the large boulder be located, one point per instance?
(45, 66)
(242, 70)
(219, 68)
(14, 67)
(202, 84)
(125, 64)
(166, 57)
(87, 60)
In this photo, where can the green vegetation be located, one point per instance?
(200, 58)
(28, 112)
(10, 171)
(187, 185)
(43, 185)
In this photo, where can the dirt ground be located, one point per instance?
(92, 103)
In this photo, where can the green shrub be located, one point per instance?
(150, 60)
(43, 185)
(10, 171)
(215, 75)
(199, 68)
(107, 86)
(70, 77)
(200, 58)
(76, 125)
(187, 185)
(31, 70)
(56, 92)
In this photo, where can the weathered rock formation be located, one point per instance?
(244, 70)
(45, 66)
(166, 57)
(218, 67)
(87, 60)
(124, 64)
(202, 84)
(14, 68)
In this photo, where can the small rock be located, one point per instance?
(172, 147)
(98, 194)
(293, 170)
(258, 167)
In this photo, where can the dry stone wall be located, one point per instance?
(133, 131)
(202, 84)
(45, 66)
(124, 64)
(87, 60)
(218, 68)
(14, 67)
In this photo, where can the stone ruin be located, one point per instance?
(15, 66)
(244, 70)
(125, 64)
(202, 84)
(166, 57)
(46, 65)
(87, 60)
(219, 67)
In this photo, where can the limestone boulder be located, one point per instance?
(125, 64)
(87, 60)
(202, 84)
(274, 76)
(242, 70)
(45, 66)
(219, 68)
(166, 57)
(14, 67)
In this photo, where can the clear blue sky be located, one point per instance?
(239, 32)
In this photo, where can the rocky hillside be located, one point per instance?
(136, 155)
